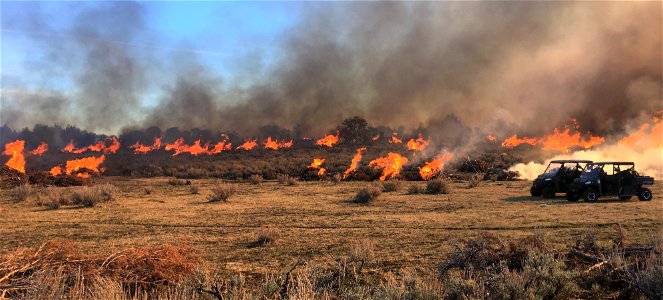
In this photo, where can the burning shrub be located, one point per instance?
(390, 185)
(222, 192)
(416, 189)
(91, 196)
(437, 186)
(267, 235)
(20, 193)
(367, 194)
(256, 179)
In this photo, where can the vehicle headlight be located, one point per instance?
(548, 179)
(588, 182)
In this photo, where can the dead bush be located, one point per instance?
(222, 192)
(20, 193)
(336, 178)
(53, 198)
(267, 235)
(367, 194)
(362, 252)
(193, 189)
(437, 186)
(474, 181)
(91, 196)
(391, 186)
(148, 190)
(286, 179)
(416, 189)
(256, 179)
(177, 181)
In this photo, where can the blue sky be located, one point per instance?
(217, 34)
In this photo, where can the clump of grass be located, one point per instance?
(391, 186)
(176, 181)
(20, 193)
(336, 178)
(437, 186)
(267, 235)
(361, 251)
(416, 189)
(91, 196)
(193, 189)
(256, 179)
(148, 190)
(367, 194)
(286, 179)
(222, 192)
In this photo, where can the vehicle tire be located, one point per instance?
(572, 197)
(625, 197)
(644, 194)
(590, 195)
(535, 192)
(548, 192)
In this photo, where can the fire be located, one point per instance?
(391, 165)
(275, 144)
(17, 159)
(180, 147)
(43, 147)
(141, 149)
(248, 145)
(394, 139)
(433, 168)
(100, 146)
(87, 163)
(491, 138)
(417, 145)
(329, 140)
(223, 145)
(355, 162)
(376, 137)
(514, 141)
(647, 135)
(317, 165)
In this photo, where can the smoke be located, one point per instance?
(497, 66)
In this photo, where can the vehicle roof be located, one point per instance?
(571, 161)
(613, 163)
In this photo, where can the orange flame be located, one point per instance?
(491, 138)
(417, 145)
(41, 149)
(355, 162)
(329, 140)
(100, 146)
(560, 141)
(223, 145)
(276, 145)
(180, 147)
(142, 149)
(248, 145)
(88, 163)
(646, 135)
(17, 159)
(514, 141)
(433, 168)
(376, 137)
(317, 164)
(394, 139)
(391, 165)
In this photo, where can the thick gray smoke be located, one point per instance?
(499, 66)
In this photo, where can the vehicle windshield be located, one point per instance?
(552, 168)
(591, 171)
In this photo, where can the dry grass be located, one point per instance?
(267, 235)
(474, 181)
(53, 198)
(416, 188)
(437, 186)
(256, 179)
(194, 190)
(222, 192)
(91, 196)
(177, 181)
(286, 179)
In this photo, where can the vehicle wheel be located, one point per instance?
(572, 197)
(590, 195)
(548, 192)
(644, 194)
(625, 197)
(535, 192)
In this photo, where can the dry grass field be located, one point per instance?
(317, 219)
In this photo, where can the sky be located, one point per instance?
(216, 33)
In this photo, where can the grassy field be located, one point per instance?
(315, 220)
